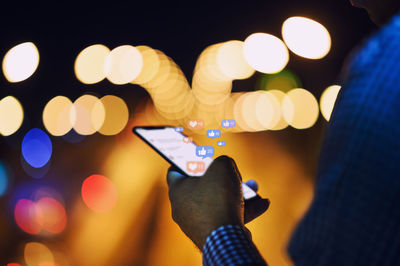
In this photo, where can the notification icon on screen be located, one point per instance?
(195, 167)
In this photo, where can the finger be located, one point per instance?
(253, 185)
(236, 169)
(221, 167)
(173, 177)
(254, 208)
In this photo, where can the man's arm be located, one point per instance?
(210, 211)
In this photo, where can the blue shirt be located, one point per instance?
(354, 218)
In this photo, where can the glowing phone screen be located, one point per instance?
(181, 151)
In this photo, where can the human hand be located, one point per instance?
(202, 204)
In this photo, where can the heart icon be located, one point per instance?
(187, 140)
(192, 166)
(193, 123)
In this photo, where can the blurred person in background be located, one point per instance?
(354, 217)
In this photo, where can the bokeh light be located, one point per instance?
(36, 173)
(36, 148)
(281, 124)
(151, 65)
(99, 193)
(284, 81)
(3, 179)
(123, 64)
(231, 61)
(25, 214)
(300, 109)
(266, 53)
(116, 115)
(327, 101)
(51, 215)
(11, 115)
(257, 111)
(37, 254)
(89, 64)
(87, 115)
(306, 37)
(20, 62)
(57, 116)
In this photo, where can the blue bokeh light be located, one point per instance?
(3, 179)
(36, 148)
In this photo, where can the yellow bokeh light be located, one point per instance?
(257, 111)
(231, 60)
(240, 113)
(163, 71)
(268, 110)
(281, 124)
(327, 101)
(57, 116)
(87, 115)
(117, 115)
(89, 64)
(300, 109)
(11, 115)
(123, 64)
(36, 254)
(20, 62)
(151, 64)
(306, 37)
(266, 53)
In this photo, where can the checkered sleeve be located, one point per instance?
(230, 245)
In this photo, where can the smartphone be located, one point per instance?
(180, 151)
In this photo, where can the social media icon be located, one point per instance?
(228, 123)
(179, 129)
(187, 139)
(204, 151)
(195, 124)
(195, 167)
(221, 143)
(214, 133)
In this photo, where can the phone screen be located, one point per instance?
(180, 151)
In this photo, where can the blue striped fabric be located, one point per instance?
(230, 245)
(354, 218)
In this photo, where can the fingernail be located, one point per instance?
(252, 184)
(175, 174)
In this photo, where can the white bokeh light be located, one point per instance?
(266, 53)
(20, 62)
(306, 37)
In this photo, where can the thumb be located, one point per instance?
(221, 167)
(254, 208)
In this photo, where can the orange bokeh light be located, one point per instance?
(51, 215)
(99, 193)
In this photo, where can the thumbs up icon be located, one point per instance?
(214, 133)
(202, 152)
(226, 124)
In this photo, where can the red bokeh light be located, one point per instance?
(51, 215)
(25, 215)
(46, 214)
(99, 193)
(13, 264)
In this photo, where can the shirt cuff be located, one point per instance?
(230, 245)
